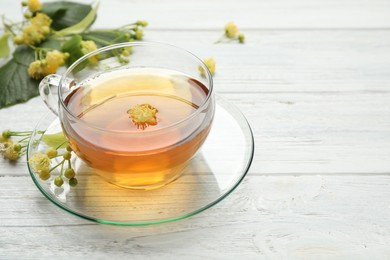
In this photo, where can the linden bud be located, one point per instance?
(52, 152)
(17, 147)
(69, 173)
(27, 15)
(73, 182)
(44, 174)
(67, 155)
(18, 39)
(241, 38)
(126, 51)
(58, 181)
(139, 34)
(142, 23)
(6, 134)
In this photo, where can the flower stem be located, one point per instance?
(60, 163)
(23, 139)
(64, 142)
(62, 168)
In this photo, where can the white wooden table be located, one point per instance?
(313, 80)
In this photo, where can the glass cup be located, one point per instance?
(136, 120)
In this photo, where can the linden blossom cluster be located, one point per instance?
(11, 150)
(39, 162)
(38, 30)
(33, 34)
(231, 34)
(48, 65)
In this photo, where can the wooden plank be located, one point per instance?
(312, 80)
(295, 133)
(293, 61)
(248, 14)
(319, 133)
(269, 217)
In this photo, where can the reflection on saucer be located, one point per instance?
(212, 174)
(101, 199)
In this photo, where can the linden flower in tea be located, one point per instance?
(143, 115)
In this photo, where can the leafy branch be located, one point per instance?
(51, 35)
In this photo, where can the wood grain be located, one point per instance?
(266, 217)
(312, 79)
(249, 14)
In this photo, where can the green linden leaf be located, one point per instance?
(65, 14)
(15, 84)
(104, 38)
(4, 48)
(73, 47)
(81, 26)
(56, 140)
(51, 43)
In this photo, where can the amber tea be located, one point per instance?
(134, 125)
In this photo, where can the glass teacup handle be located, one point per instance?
(48, 89)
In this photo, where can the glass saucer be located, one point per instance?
(212, 174)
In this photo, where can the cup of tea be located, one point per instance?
(136, 121)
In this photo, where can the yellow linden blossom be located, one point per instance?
(143, 115)
(9, 150)
(231, 30)
(39, 162)
(11, 154)
(126, 51)
(35, 70)
(41, 68)
(5, 145)
(36, 32)
(87, 47)
(41, 19)
(54, 60)
(210, 63)
(139, 34)
(4, 139)
(31, 35)
(34, 5)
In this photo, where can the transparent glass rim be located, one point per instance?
(244, 125)
(201, 108)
